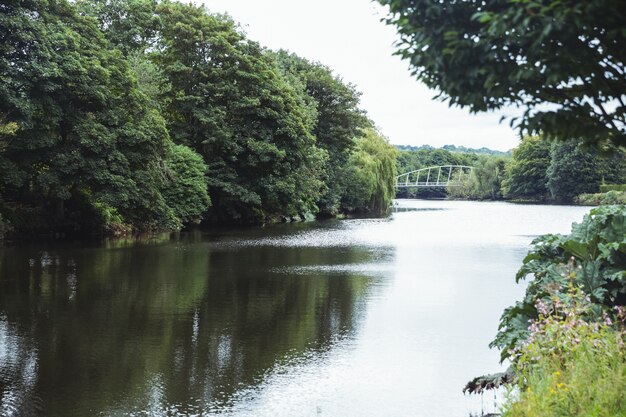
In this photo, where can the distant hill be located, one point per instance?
(456, 149)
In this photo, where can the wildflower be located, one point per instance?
(534, 328)
(542, 307)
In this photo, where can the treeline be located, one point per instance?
(454, 148)
(148, 115)
(538, 170)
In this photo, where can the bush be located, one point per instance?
(570, 367)
(602, 199)
(612, 187)
(597, 248)
(110, 220)
(185, 190)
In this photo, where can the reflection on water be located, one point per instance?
(341, 318)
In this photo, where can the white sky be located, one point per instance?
(348, 36)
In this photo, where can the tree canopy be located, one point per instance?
(561, 62)
(85, 130)
(537, 170)
(527, 171)
(572, 171)
(145, 114)
(339, 120)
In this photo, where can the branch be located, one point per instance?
(606, 115)
(488, 382)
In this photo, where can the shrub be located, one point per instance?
(570, 367)
(185, 190)
(612, 187)
(110, 220)
(597, 248)
(601, 199)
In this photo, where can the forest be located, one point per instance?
(131, 116)
(538, 170)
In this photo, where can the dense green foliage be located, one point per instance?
(612, 187)
(86, 134)
(369, 175)
(148, 115)
(528, 170)
(539, 170)
(570, 367)
(485, 181)
(596, 249)
(4, 227)
(602, 199)
(456, 149)
(572, 171)
(185, 188)
(338, 120)
(240, 115)
(489, 55)
(566, 339)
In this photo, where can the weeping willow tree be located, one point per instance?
(370, 175)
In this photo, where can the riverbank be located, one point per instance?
(123, 231)
(602, 199)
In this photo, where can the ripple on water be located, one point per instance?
(368, 269)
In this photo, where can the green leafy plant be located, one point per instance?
(570, 366)
(369, 175)
(606, 198)
(605, 188)
(597, 249)
(111, 221)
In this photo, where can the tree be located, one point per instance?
(132, 26)
(485, 182)
(526, 177)
(338, 119)
(612, 166)
(573, 170)
(485, 56)
(370, 175)
(120, 115)
(229, 103)
(86, 136)
(185, 189)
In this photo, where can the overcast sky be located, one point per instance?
(348, 36)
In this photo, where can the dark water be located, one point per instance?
(386, 317)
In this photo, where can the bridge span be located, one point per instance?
(434, 176)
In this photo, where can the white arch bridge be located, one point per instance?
(435, 176)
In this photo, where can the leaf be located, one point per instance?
(576, 248)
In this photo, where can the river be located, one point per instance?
(360, 317)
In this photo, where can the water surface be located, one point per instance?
(364, 317)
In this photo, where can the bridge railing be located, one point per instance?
(434, 176)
